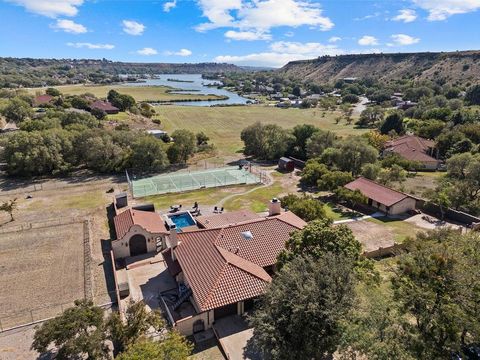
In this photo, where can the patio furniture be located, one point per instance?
(215, 210)
(175, 208)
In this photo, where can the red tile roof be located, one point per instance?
(412, 148)
(222, 266)
(103, 105)
(150, 221)
(220, 220)
(43, 99)
(377, 192)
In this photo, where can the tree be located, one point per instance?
(137, 321)
(437, 286)
(148, 154)
(122, 101)
(371, 171)
(440, 198)
(53, 92)
(300, 314)
(392, 174)
(184, 145)
(77, 332)
(371, 116)
(318, 142)
(473, 95)
(318, 238)
(334, 179)
(305, 207)
(301, 133)
(17, 110)
(394, 122)
(267, 142)
(352, 198)
(202, 138)
(173, 347)
(352, 154)
(312, 172)
(350, 99)
(9, 207)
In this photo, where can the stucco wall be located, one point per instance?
(185, 326)
(403, 206)
(121, 248)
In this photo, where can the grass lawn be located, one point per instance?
(401, 229)
(224, 124)
(140, 93)
(421, 182)
(210, 196)
(256, 200)
(336, 213)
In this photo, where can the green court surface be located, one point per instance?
(192, 180)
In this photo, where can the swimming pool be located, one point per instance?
(182, 220)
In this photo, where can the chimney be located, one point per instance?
(173, 236)
(274, 207)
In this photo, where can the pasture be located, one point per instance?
(42, 271)
(224, 124)
(139, 93)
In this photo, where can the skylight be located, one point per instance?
(247, 235)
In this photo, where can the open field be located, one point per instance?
(421, 182)
(224, 124)
(42, 270)
(140, 93)
(399, 228)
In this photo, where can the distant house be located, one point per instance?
(10, 127)
(405, 105)
(350, 80)
(159, 134)
(414, 148)
(43, 100)
(387, 200)
(105, 106)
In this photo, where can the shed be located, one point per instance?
(387, 200)
(286, 164)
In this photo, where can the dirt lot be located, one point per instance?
(371, 235)
(42, 269)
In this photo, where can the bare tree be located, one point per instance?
(9, 206)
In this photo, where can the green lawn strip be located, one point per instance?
(256, 200)
(140, 93)
(401, 229)
(210, 196)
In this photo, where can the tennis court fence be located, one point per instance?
(205, 175)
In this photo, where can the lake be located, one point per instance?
(193, 84)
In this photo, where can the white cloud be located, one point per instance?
(247, 35)
(50, 8)
(261, 15)
(442, 9)
(87, 45)
(368, 40)
(148, 51)
(132, 27)
(334, 39)
(282, 52)
(370, 16)
(169, 5)
(403, 40)
(406, 15)
(69, 26)
(181, 52)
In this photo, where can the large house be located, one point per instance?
(414, 148)
(387, 200)
(221, 270)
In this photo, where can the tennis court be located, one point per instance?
(192, 180)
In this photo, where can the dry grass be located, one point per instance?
(140, 93)
(41, 270)
(224, 124)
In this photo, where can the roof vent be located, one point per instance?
(247, 235)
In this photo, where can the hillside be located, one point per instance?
(454, 67)
(28, 72)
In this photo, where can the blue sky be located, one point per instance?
(245, 32)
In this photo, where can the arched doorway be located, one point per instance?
(138, 245)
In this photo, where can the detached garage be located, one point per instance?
(286, 164)
(387, 200)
